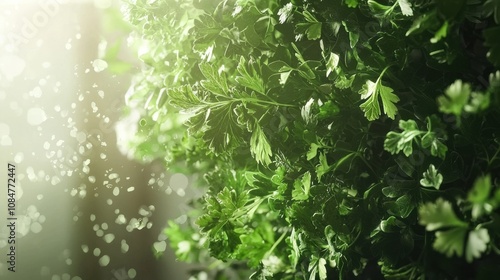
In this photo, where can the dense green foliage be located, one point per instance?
(335, 139)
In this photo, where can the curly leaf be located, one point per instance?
(455, 98)
(405, 7)
(450, 242)
(302, 187)
(372, 91)
(480, 192)
(396, 142)
(476, 244)
(259, 146)
(439, 215)
(250, 79)
(479, 196)
(432, 178)
(215, 82)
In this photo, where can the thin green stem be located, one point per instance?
(268, 253)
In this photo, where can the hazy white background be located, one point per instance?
(84, 210)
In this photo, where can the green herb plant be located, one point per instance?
(346, 139)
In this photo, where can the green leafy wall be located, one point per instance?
(334, 139)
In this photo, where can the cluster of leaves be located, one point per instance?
(336, 139)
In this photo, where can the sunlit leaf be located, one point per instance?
(259, 146)
(431, 178)
(439, 215)
(477, 243)
(450, 242)
(372, 91)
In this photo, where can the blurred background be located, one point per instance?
(84, 210)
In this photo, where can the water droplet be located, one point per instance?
(94, 107)
(86, 169)
(160, 246)
(36, 227)
(85, 248)
(179, 181)
(121, 219)
(130, 189)
(104, 260)
(19, 157)
(124, 247)
(37, 91)
(109, 237)
(83, 193)
(97, 252)
(55, 180)
(81, 137)
(181, 192)
(36, 116)
(144, 212)
(132, 273)
(99, 65)
(116, 191)
(23, 223)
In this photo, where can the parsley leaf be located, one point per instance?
(450, 242)
(439, 215)
(405, 7)
(479, 196)
(455, 98)
(249, 76)
(432, 178)
(259, 146)
(402, 141)
(372, 91)
(302, 187)
(312, 27)
(396, 142)
(332, 63)
(477, 243)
